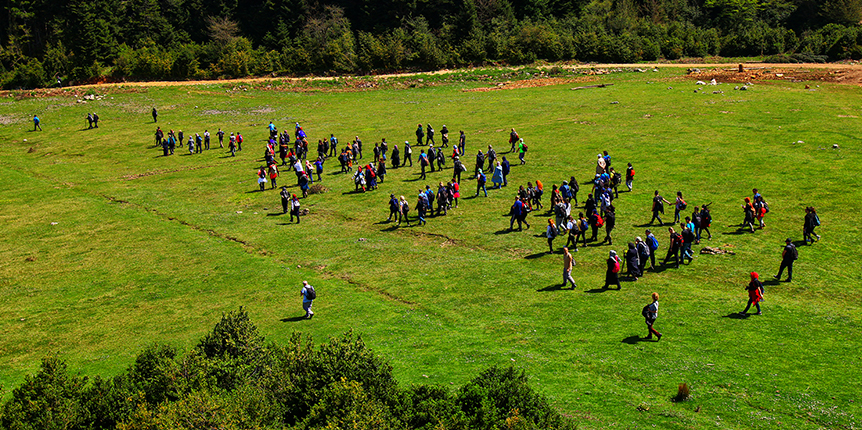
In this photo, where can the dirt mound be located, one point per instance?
(848, 76)
(530, 83)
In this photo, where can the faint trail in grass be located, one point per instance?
(370, 289)
(165, 171)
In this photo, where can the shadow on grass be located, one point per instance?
(504, 231)
(293, 319)
(553, 287)
(536, 255)
(738, 232)
(735, 316)
(633, 340)
(598, 290)
(287, 223)
(276, 213)
(391, 228)
(256, 191)
(798, 243)
(227, 156)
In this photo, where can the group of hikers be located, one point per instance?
(197, 143)
(599, 209)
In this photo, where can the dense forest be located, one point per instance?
(235, 379)
(51, 42)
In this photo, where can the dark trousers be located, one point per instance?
(651, 330)
(284, 205)
(757, 305)
(789, 265)
(655, 216)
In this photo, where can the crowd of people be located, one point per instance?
(598, 208)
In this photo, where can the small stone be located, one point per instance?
(362, 239)
(54, 223)
(25, 140)
(615, 103)
(835, 146)
(239, 212)
(22, 319)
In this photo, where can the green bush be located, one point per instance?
(50, 399)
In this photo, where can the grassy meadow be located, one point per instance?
(154, 249)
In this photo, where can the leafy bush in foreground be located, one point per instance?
(235, 379)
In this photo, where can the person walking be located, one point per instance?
(643, 254)
(650, 314)
(458, 169)
(481, 179)
(658, 203)
(207, 140)
(811, 221)
(89, 121)
(755, 294)
(581, 226)
(155, 115)
(568, 263)
(610, 222)
(513, 139)
(630, 176)
(36, 123)
(674, 246)
(688, 239)
(405, 210)
(285, 199)
(760, 209)
(678, 206)
(220, 134)
(518, 209)
(393, 207)
(430, 135)
(522, 151)
(705, 221)
(308, 295)
(506, 169)
(497, 177)
(652, 244)
(612, 275)
(788, 256)
(462, 142)
(748, 210)
(551, 233)
(294, 208)
(633, 262)
(420, 135)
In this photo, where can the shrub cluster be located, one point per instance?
(235, 379)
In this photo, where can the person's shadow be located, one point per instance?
(553, 287)
(634, 340)
(293, 319)
(735, 316)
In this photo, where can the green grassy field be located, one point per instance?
(147, 248)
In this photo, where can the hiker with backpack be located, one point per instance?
(687, 240)
(513, 139)
(458, 169)
(650, 314)
(633, 263)
(705, 221)
(601, 164)
(679, 206)
(674, 246)
(760, 209)
(308, 295)
(658, 203)
(507, 168)
(522, 151)
(497, 177)
(755, 294)
(616, 178)
(612, 276)
(568, 263)
(811, 221)
(581, 226)
(518, 210)
(551, 232)
(748, 210)
(643, 254)
(481, 179)
(610, 221)
(596, 221)
(788, 256)
(652, 244)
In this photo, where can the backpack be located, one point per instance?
(766, 206)
(526, 147)
(682, 204)
(482, 178)
(617, 178)
(310, 294)
(816, 221)
(677, 239)
(553, 232)
(599, 221)
(794, 253)
(653, 243)
(616, 268)
(646, 312)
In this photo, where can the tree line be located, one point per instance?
(46, 41)
(235, 379)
